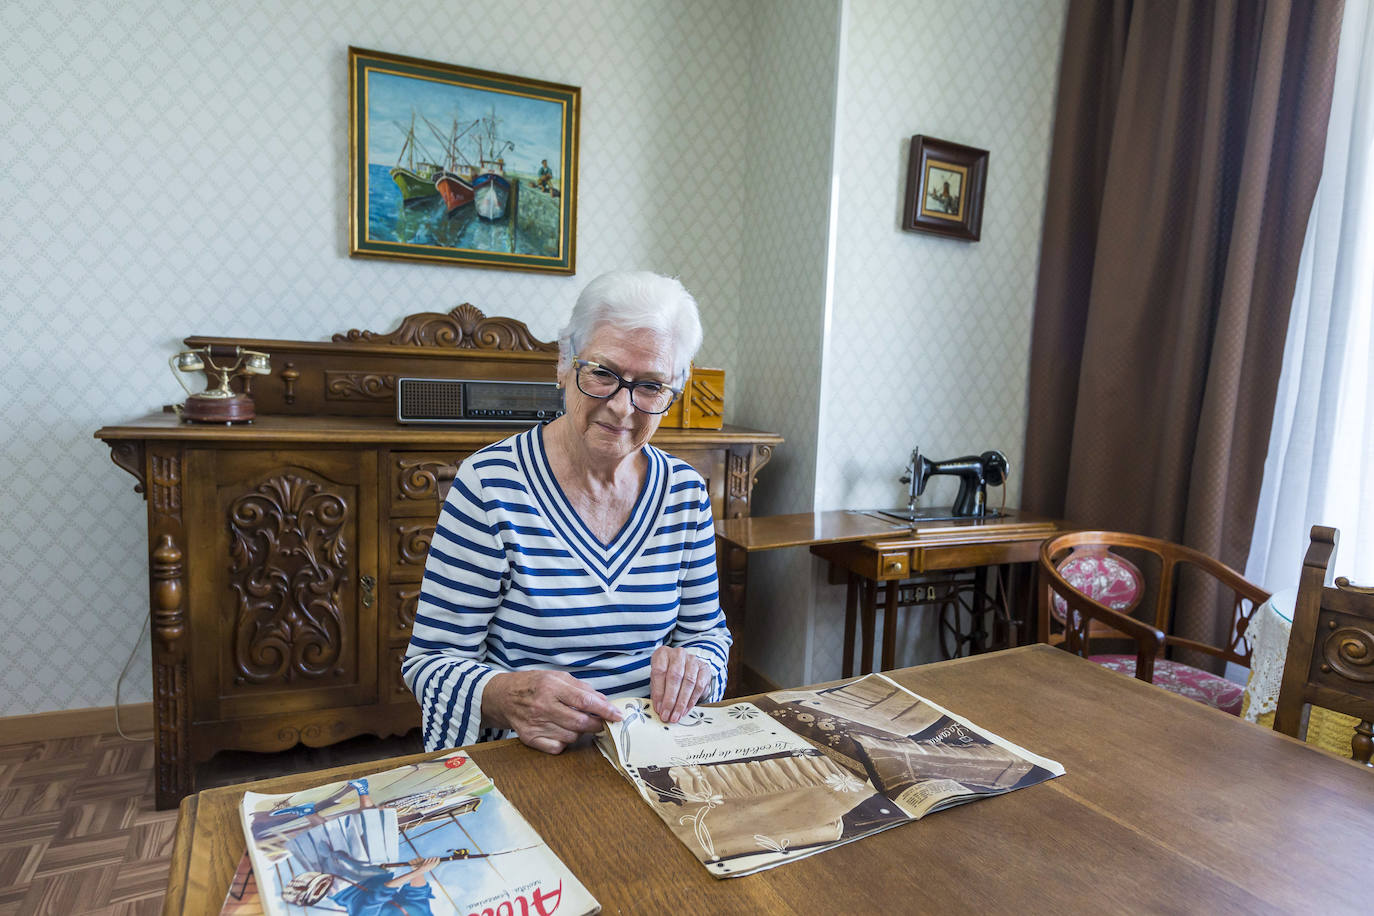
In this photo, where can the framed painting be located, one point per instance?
(944, 188)
(460, 166)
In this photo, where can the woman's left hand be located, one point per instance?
(677, 679)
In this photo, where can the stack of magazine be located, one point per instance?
(433, 837)
(749, 786)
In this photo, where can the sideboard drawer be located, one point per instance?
(418, 482)
(398, 614)
(407, 548)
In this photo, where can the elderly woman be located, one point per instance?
(574, 562)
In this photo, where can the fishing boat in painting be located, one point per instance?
(415, 179)
(454, 190)
(491, 191)
(490, 186)
(453, 186)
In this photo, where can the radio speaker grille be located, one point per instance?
(430, 399)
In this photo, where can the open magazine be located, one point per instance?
(433, 837)
(752, 785)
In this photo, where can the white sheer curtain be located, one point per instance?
(1320, 464)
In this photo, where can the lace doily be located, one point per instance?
(1268, 632)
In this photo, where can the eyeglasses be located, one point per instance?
(596, 381)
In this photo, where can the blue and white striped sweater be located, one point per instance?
(515, 581)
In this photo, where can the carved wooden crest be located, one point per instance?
(464, 328)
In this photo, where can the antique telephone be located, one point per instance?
(975, 472)
(219, 403)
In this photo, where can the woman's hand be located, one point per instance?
(547, 709)
(677, 679)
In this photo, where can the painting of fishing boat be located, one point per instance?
(440, 155)
(416, 181)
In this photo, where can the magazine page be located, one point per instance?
(433, 837)
(917, 753)
(748, 786)
(739, 790)
(242, 898)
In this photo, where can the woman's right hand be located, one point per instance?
(547, 709)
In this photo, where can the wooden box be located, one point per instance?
(702, 405)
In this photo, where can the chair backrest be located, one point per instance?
(1330, 661)
(1103, 576)
(1085, 617)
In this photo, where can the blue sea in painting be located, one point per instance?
(532, 230)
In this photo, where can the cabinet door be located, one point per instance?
(283, 581)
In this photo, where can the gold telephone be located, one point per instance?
(219, 403)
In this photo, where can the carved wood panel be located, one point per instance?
(410, 547)
(400, 613)
(420, 480)
(359, 386)
(1344, 653)
(166, 572)
(464, 328)
(283, 599)
(398, 692)
(290, 550)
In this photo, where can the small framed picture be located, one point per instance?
(944, 188)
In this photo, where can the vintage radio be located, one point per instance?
(452, 400)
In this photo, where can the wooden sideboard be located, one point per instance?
(285, 556)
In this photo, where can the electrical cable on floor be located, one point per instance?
(120, 680)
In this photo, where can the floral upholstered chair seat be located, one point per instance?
(1176, 677)
(1111, 580)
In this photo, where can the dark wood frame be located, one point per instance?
(361, 63)
(970, 162)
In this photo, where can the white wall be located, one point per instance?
(178, 168)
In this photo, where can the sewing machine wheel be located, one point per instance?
(960, 630)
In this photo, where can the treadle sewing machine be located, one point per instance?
(917, 557)
(975, 473)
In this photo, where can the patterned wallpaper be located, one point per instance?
(940, 327)
(177, 168)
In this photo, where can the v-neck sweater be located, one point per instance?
(516, 581)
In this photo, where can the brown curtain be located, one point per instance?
(1187, 146)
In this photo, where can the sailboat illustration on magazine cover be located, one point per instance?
(435, 837)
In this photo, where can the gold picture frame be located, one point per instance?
(453, 165)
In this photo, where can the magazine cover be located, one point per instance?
(747, 787)
(429, 838)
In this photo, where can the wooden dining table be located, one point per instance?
(1166, 806)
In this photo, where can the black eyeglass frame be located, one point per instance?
(579, 364)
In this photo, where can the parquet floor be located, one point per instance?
(78, 830)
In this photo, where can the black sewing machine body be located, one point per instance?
(975, 473)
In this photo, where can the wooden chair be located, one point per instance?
(1330, 661)
(1076, 616)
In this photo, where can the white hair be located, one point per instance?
(635, 300)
